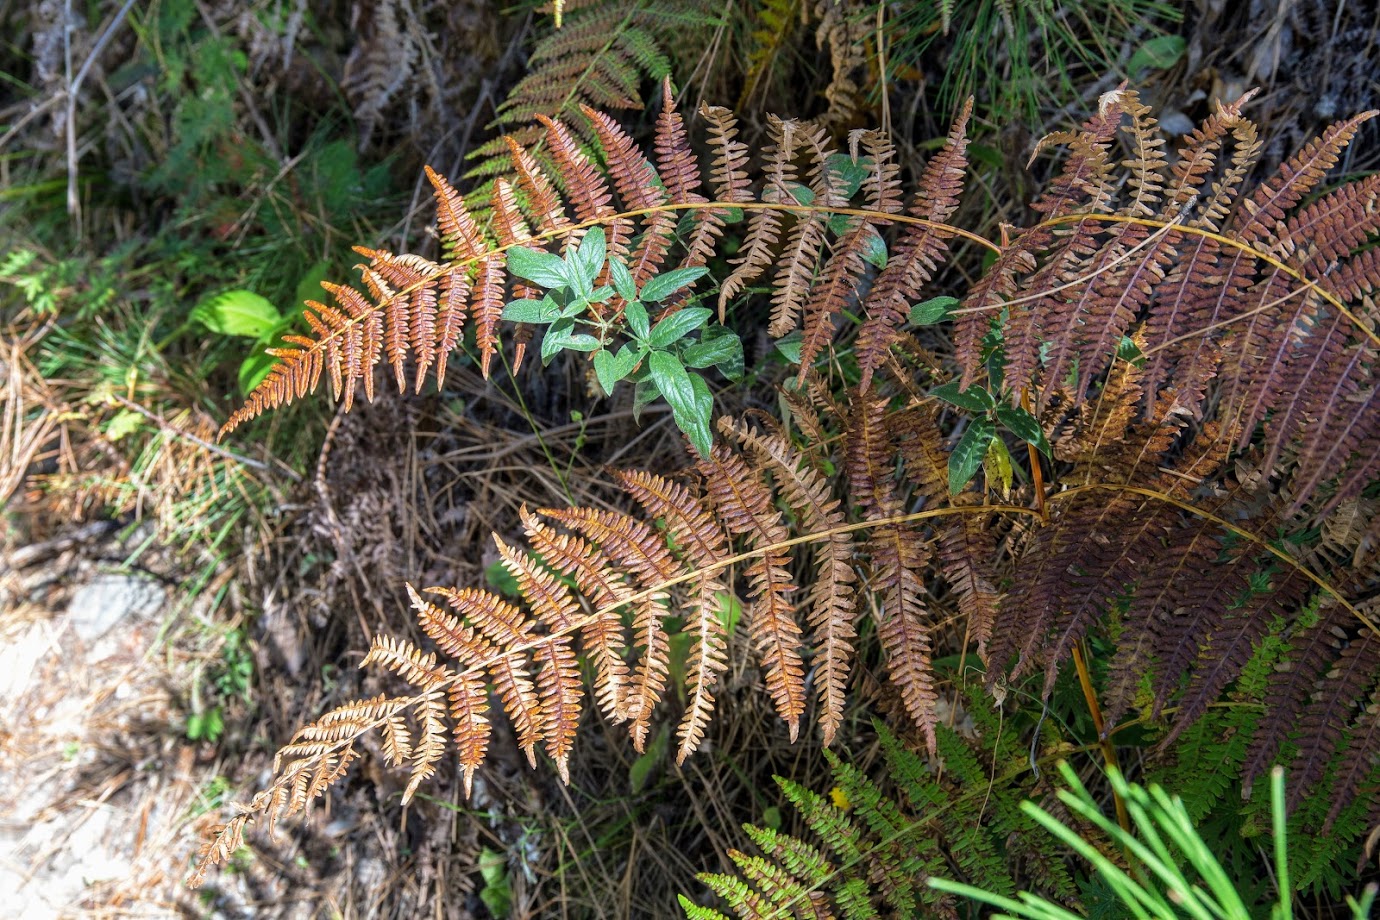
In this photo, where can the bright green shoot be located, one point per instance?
(1175, 874)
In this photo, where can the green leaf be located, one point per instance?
(675, 385)
(718, 347)
(238, 312)
(1128, 351)
(637, 318)
(497, 893)
(254, 369)
(611, 368)
(1024, 426)
(678, 325)
(539, 267)
(578, 306)
(974, 399)
(581, 342)
(662, 286)
(622, 280)
(532, 311)
(124, 422)
(996, 465)
(555, 339)
(587, 261)
(309, 287)
(790, 347)
(932, 311)
(645, 392)
(501, 580)
(967, 457)
(730, 611)
(988, 156)
(848, 173)
(802, 194)
(874, 250)
(700, 429)
(1159, 53)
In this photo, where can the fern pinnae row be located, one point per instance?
(1206, 515)
(367, 313)
(399, 655)
(1161, 231)
(1231, 243)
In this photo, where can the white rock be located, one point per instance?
(107, 599)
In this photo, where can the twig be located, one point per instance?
(167, 426)
(73, 85)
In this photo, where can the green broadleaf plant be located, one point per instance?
(981, 438)
(661, 358)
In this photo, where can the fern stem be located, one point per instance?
(1104, 740)
(1036, 473)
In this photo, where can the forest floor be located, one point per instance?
(101, 798)
(104, 797)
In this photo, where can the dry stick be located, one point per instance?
(74, 84)
(169, 428)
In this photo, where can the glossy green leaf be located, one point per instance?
(934, 310)
(1024, 426)
(848, 174)
(678, 325)
(1128, 351)
(637, 318)
(610, 368)
(539, 267)
(674, 382)
(700, 426)
(967, 457)
(874, 247)
(532, 311)
(622, 280)
(588, 259)
(662, 286)
(238, 312)
(718, 347)
(974, 399)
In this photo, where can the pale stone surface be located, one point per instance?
(105, 600)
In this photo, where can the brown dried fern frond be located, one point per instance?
(1200, 353)
(411, 312)
(634, 576)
